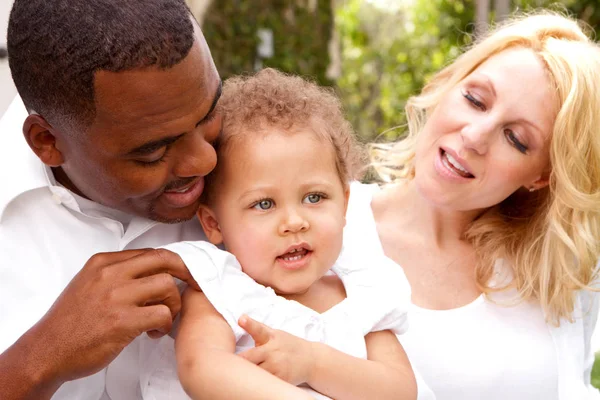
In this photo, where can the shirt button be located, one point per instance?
(56, 198)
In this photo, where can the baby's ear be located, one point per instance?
(346, 198)
(209, 223)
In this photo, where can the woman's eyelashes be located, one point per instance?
(473, 100)
(514, 140)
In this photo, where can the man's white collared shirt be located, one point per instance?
(46, 238)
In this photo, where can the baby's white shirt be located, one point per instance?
(377, 291)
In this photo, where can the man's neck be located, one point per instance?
(62, 178)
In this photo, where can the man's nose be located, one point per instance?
(196, 157)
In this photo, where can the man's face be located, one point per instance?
(150, 144)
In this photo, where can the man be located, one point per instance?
(106, 153)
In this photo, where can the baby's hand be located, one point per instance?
(286, 356)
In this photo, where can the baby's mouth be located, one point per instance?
(294, 255)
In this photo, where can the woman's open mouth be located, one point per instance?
(453, 166)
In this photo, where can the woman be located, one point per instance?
(492, 208)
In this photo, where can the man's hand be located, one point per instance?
(112, 300)
(286, 356)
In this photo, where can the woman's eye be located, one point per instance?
(313, 198)
(474, 101)
(264, 204)
(512, 138)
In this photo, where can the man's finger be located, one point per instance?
(153, 318)
(256, 355)
(259, 332)
(155, 289)
(109, 258)
(157, 261)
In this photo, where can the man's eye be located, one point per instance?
(264, 204)
(153, 159)
(313, 198)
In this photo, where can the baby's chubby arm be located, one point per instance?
(207, 365)
(385, 374)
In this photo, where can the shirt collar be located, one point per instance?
(20, 169)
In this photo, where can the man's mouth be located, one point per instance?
(184, 196)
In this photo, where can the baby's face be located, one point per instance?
(280, 208)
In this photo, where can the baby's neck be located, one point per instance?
(322, 295)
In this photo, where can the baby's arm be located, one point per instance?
(385, 374)
(207, 365)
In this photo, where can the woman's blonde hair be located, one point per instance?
(550, 237)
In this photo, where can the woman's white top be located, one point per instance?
(490, 349)
(377, 291)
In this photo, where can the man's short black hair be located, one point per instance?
(56, 46)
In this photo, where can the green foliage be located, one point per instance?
(301, 31)
(596, 372)
(389, 55)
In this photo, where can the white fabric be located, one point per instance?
(45, 239)
(372, 305)
(487, 351)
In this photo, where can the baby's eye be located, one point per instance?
(313, 198)
(264, 204)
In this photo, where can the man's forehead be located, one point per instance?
(154, 102)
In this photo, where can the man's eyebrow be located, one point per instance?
(151, 147)
(213, 105)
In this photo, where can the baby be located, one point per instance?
(277, 202)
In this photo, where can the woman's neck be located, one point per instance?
(430, 224)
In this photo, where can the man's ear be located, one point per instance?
(40, 137)
(209, 223)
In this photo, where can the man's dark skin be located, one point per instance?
(152, 135)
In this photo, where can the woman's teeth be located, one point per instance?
(456, 164)
(452, 163)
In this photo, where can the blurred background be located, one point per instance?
(375, 53)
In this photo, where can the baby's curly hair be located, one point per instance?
(271, 99)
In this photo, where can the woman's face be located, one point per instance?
(489, 135)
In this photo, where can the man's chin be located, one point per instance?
(173, 216)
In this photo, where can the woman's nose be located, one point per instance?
(477, 136)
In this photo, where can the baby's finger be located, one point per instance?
(256, 355)
(259, 332)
